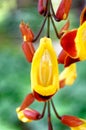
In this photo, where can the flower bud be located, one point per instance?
(63, 10)
(26, 32)
(42, 6)
(71, 121)
(31, 114)
(29, 50)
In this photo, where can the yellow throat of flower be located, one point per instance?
(44, 70)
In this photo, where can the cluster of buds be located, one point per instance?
(45, 78)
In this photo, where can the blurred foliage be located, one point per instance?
(15, 71)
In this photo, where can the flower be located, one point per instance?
(68, 76)
(73, 43)
(44, 70)
(44, 80)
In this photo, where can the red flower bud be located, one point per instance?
(26, 32)
(71, 121)
(63, 9)
(29, 50)
(31, 114)
(42, 6)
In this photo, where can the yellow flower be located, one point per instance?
(44, 70)
(68, 75)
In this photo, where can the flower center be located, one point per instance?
(45, 69)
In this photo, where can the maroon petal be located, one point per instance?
(69, 61)
(40, 97)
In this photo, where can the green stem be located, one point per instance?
(53, 13)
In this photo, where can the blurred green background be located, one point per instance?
(15, 70)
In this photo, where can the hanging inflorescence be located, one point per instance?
(45, 78)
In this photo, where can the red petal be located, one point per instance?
(83, 16)
(68, 61)
(68, 43)
(61, 57)
(63, 10)
(71, 121)
(29, 50)
(42, 6)
(27, 101)
(31, 114)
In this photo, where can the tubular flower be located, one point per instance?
(73, 43)
(68, 75)
(44, 70)
(63, 10)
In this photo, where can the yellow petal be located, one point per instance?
(80, 41)
(21, 116)
(68, 74)
(44, 70)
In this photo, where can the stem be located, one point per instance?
(57, 34)
(53, 13)
(49, 118)
(48, 27)
(40, 29)
(56, 113)
(48, 23)
(43, 112)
